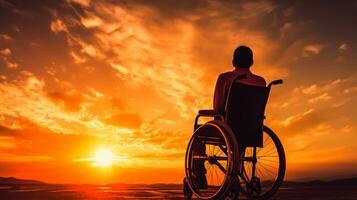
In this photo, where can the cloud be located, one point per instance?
(132, 41)
(139, 48)
(92, 22)
(21, 159)
(343, 47)
(11, 65)
(291, 29)
(5, 37)
(326, 90)
(131, 121)
(322, 97)
(122, 70)
(5, 53)
(4, 131)
(71, 100)
(311, 123)
(84, 3)
(95, 93)
(58, 26)
(287, 27)
(77, 59)
(299, 143)
(22, 98)
(312, 49)
(310, 90)
(296, 118)
(348, 128)
(28, 98)
(90, 50)
(331, 94)
(350, 90)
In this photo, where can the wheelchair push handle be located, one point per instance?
(276, 82)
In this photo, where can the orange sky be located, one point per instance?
(77, 76)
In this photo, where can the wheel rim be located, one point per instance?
(214, 159)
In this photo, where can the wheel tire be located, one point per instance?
(233, 159)
(186, 189)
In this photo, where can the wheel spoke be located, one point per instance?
(267, 169)
(269, 166)
(221, 167)
(268, 143)
(268, 151)
(267, 156)
(197, 157)
(267, 160)
(221, 158)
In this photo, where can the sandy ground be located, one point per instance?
(78, 192)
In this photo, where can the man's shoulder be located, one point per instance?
(253, 77)
(259, 79)
(226, 74)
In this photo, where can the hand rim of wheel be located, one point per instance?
(229, 138)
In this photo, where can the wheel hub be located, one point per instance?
(212, 159)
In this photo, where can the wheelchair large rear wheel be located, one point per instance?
(262, 175)
(212, 161)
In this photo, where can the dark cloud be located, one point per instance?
(71, 102)
(5, 131)
(125, 120)
(303, 123)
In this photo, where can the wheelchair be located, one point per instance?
(235, 153)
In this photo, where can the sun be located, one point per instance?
(103, 157)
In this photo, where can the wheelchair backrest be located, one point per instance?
(244, 113)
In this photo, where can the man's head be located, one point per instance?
(242, 57)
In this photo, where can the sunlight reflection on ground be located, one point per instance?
(159, 191)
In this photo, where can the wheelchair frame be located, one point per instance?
(251, 186)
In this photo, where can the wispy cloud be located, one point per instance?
(5, 37)
(5, 53)
(58, 26)
(312, 49)
(322, 97)
(343, 47)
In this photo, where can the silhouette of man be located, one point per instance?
(242, 61)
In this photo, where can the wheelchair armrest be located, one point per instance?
(208, 112)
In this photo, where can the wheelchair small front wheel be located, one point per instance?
(212, 161)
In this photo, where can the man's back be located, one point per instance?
(225, 80)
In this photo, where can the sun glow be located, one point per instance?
(103, 157)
